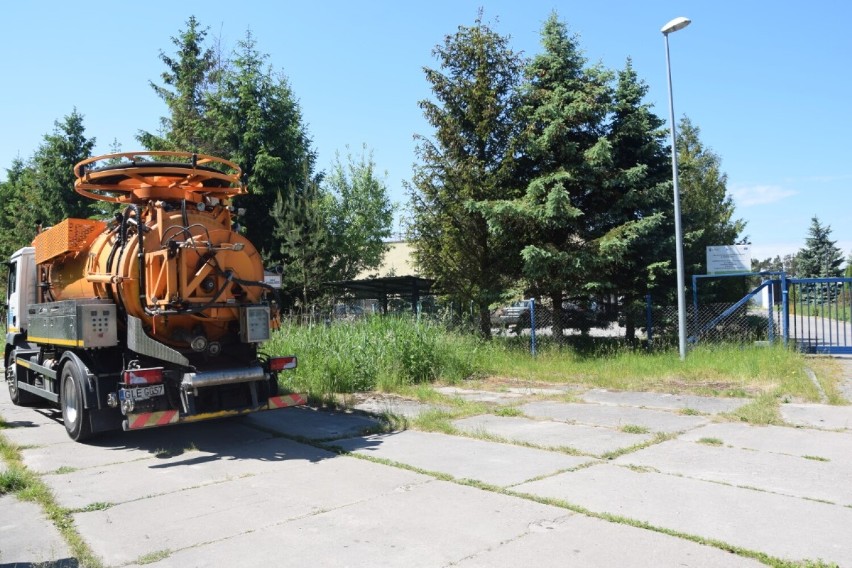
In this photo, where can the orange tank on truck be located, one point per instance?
(153, 317)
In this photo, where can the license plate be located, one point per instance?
(142, 393)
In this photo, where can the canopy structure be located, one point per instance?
(409, 287)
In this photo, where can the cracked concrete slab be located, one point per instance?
(428, 525)
(122, 482)
(463, 458)
(613, 416)
(666, 401)
(778, 525)
(835, 446)
(776, 473)
(818, 416)
(238, 506)
(584, 541)
(592, 440)
(28, 538)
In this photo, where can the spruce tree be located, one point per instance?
(820, 257)
(467, 161)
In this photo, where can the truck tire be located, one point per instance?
(14, 375)
(74, 412)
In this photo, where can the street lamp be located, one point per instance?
(673, 26)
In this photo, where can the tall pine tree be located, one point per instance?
(467, 161)
(638, 244)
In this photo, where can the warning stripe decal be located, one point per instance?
(149, 419)
(286, 400)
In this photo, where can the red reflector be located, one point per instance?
(281, 363)
(143, 376)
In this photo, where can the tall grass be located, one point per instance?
(383, 353)
(391, 354)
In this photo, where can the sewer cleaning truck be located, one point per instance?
(153, 317)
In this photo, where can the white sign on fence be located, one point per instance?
(728, 259)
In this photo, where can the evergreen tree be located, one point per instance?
(186, 86)
(638, 244)
(54, 163)
(707, 210)
(258, 124)
(468, 161)
(565, 156)
(819, 258)
(301, 231)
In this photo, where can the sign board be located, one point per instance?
(273, 280)
(728, 259)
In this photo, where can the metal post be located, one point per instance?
(785, 309)
(771, 320)
(532, 326)
(649, 320)
(681, 308)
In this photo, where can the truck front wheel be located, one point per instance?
(14, 375)
(74, 412)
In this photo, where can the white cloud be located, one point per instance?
(746, 196)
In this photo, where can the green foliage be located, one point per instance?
(186, 84)
(819, 258)
(565, 155)
(239, 109)
(301, 228)
(40, 191)
(383, 353)
(707, 209)
(359, 216)
(259, 125)
(467, 162)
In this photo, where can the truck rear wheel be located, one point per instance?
(74, 412)
(14, 375)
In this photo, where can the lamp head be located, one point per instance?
(675, 25)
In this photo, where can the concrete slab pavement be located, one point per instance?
(238, 506)
(834, 446)
(463, 458)
(584, 541)
(27, 538)
(665, 401)
(469, 526)
(123, 482)
(613, 416)
(311, 423)
(818, 416)
(591, 440)
(782, 526)
(773, 472)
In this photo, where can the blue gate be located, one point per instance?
(817, 314)
(812, 314)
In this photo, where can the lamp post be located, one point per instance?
(673, 26)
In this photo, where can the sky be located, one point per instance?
(767, 82)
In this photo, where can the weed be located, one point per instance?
(65, 469)
(13, 480)
(152, 557)
(711, 441)
(634, 429)
(690, 412)
(763, 410)
(817, 458)
(509, 411)
(98, 506)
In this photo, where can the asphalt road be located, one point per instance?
(617, 479)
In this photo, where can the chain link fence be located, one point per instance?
(536, 323)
